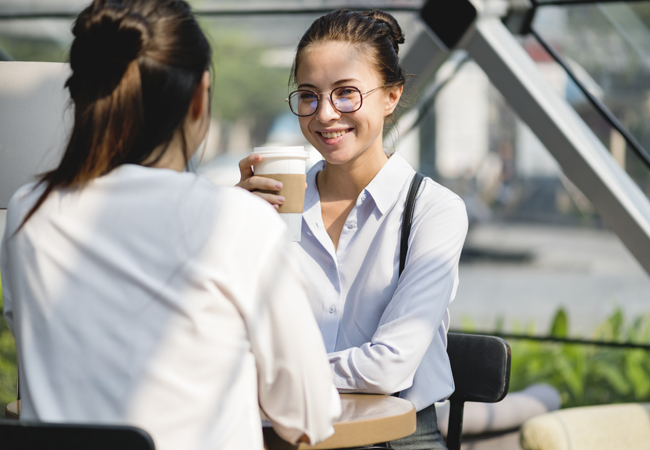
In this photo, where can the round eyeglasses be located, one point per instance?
(345, 99)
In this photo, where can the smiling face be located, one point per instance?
(345, 138)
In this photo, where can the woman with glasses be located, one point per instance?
(139, 293)
(384, 332)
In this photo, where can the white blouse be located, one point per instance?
(153, 298)
(385, 334)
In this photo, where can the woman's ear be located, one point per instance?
(201, 98)
(392, 99)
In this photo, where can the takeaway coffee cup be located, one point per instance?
(286, 164)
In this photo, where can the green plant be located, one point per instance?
(586, 374)
(7, 361)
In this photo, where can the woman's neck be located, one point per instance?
(346, 181)
(172, 158)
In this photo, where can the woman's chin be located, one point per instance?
(336, 157)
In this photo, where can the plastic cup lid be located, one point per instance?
(282, 152)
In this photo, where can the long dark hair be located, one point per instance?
(377, 30)
(135, 65)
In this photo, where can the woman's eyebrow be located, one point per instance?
(347, 80)
(311, 86)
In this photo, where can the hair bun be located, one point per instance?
(108, 38)
(395, 31)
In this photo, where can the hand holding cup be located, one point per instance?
(277, 174)
(260, 186)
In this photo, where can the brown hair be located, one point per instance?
(135, 65)
(376, 29)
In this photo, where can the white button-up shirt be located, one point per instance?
(153, 298)
(386, 333)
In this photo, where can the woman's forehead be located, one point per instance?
(324, 64)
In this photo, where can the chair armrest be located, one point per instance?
(602, 427)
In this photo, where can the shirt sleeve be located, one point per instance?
(296, 389)
(415, 313)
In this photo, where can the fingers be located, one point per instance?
(246, 166)
(260, 184)
(275, 200)
(255, 184)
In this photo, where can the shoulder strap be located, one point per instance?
(409, 206)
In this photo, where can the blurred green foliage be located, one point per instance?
(7, 362)
(586, 374)
(243, 86)
(33, 49)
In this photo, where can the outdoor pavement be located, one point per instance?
(589, 272)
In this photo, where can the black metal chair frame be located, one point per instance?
(480, 366)
(481, 369)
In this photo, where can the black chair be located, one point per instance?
(480, 366)
(20, 435)
(481, 369)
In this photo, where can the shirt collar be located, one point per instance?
(311, 194)
(384, 189)
(387, 185)
(311, 212)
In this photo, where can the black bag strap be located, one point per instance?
(409, 206)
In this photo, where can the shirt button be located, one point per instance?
(351, 225)
(332, 309)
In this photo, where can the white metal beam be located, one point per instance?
(583, 158)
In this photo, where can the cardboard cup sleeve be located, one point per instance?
(293, 191)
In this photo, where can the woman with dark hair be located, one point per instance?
(139, 293)
(385, 330)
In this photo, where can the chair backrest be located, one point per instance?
(481, 369)
(21, 435)
(34, 121)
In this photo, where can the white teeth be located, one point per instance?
(333, 134)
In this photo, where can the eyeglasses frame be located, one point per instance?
(318, 94)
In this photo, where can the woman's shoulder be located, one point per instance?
(234, 196)
(191, 187)
(24, 193)
(236, 205)
(432, 191)
(435, 199)
(23, 200)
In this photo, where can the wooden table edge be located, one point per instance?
(353, 434)
(12, 411)
(380, 430)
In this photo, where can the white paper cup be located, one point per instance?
(286, 164)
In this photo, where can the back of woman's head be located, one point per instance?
(375, 30)
(135, 65)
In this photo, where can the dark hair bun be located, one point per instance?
(108, 39)
(395, 31)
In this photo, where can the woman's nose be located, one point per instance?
(326, 111)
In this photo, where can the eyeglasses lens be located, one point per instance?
(304, 103)
(344, 99)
